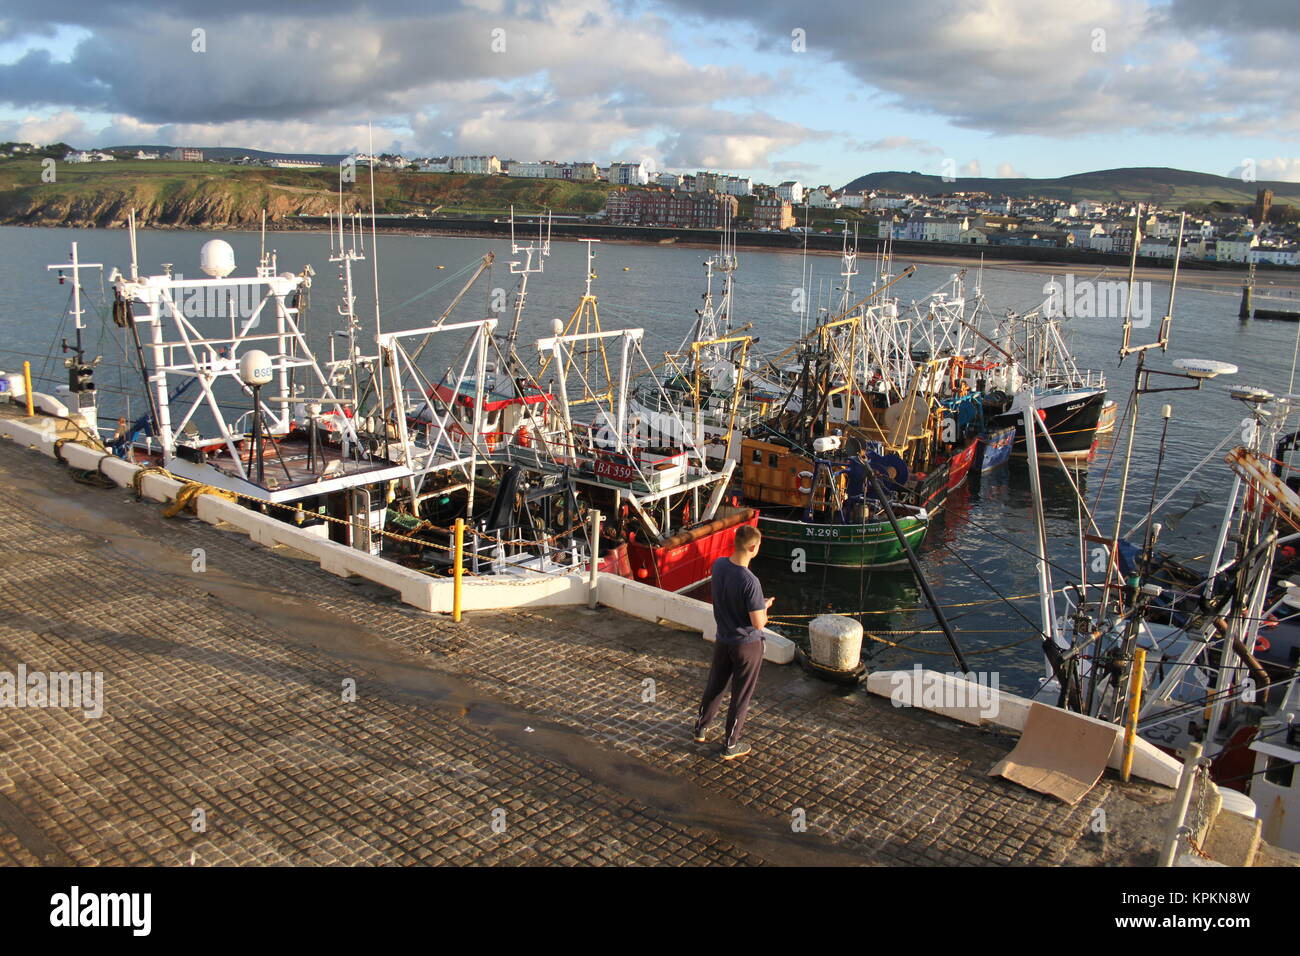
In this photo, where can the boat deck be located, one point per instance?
(225, 691)
(289, 464)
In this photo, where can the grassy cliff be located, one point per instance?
(165, 193)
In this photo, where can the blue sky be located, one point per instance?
(819, 92)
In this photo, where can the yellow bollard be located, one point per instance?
(27, 388)
(458, 569)
(1136, 676)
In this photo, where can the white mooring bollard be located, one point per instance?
(836, 642)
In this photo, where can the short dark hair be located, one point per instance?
(747, 535)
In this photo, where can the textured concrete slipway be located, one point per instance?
(520, 737)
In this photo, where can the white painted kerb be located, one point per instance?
(1010, 713)
(485, 593)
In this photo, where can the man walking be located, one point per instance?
(740, 611)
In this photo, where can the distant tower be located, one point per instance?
(1263, 202)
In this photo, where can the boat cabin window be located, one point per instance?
(771, 459)
(1279, 772)
(758, 457)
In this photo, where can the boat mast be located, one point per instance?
(80, 375)
(524, 269)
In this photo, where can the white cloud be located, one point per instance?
(584, 79)
(890, 143)
(64, 126)
(1018, 67)
(1282, 168)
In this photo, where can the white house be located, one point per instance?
(738, 186)
(293, 164)
(628, 174)
(1156, 247)
(1278, 255)
(1084, 233)
(822, 198)
(530, 170)
(476, 165)
(944, 229)
(441, 164)
(883, 200)
(88, 156)
(791, 191)
(1234, 248)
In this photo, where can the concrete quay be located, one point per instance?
(264, 711)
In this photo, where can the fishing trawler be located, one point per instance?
(573, 447)
(831, 514)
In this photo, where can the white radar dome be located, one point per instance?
(216, 258)
(255, 367)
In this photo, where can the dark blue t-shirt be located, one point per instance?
(736, 592)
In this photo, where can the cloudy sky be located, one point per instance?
(819, 91)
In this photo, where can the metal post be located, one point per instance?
(259, 474)
(593, 583)
(1046, 609)
(27, 388)
(458, 569)
(942, 621)
(1134, 707)
(1174, 831)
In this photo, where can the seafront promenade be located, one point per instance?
(262, 711)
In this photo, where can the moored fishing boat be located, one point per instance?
(819, 502)
(1070, 414)
(994, 448)
(864, 544)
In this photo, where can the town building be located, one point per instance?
(685, 210)
(476, 165)
(293, 164)
(1234, 248)
(791, 191)
(1263, 203)
(185, 154)
(628, 174)
(738, 186)
(885, 200)
(773, 212)
(822, 198)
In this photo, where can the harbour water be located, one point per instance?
(979, 549)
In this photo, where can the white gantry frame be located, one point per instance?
(177, 348)
(447, 444)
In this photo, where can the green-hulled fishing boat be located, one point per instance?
(870, 544)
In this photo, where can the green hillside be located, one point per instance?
(175, 193)
(1172, 188)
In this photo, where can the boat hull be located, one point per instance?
(1106, 421)
(1071, 419)
(686, 559)
(995, 448)
(869, 545)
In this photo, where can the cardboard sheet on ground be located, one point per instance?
(1059, 753)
